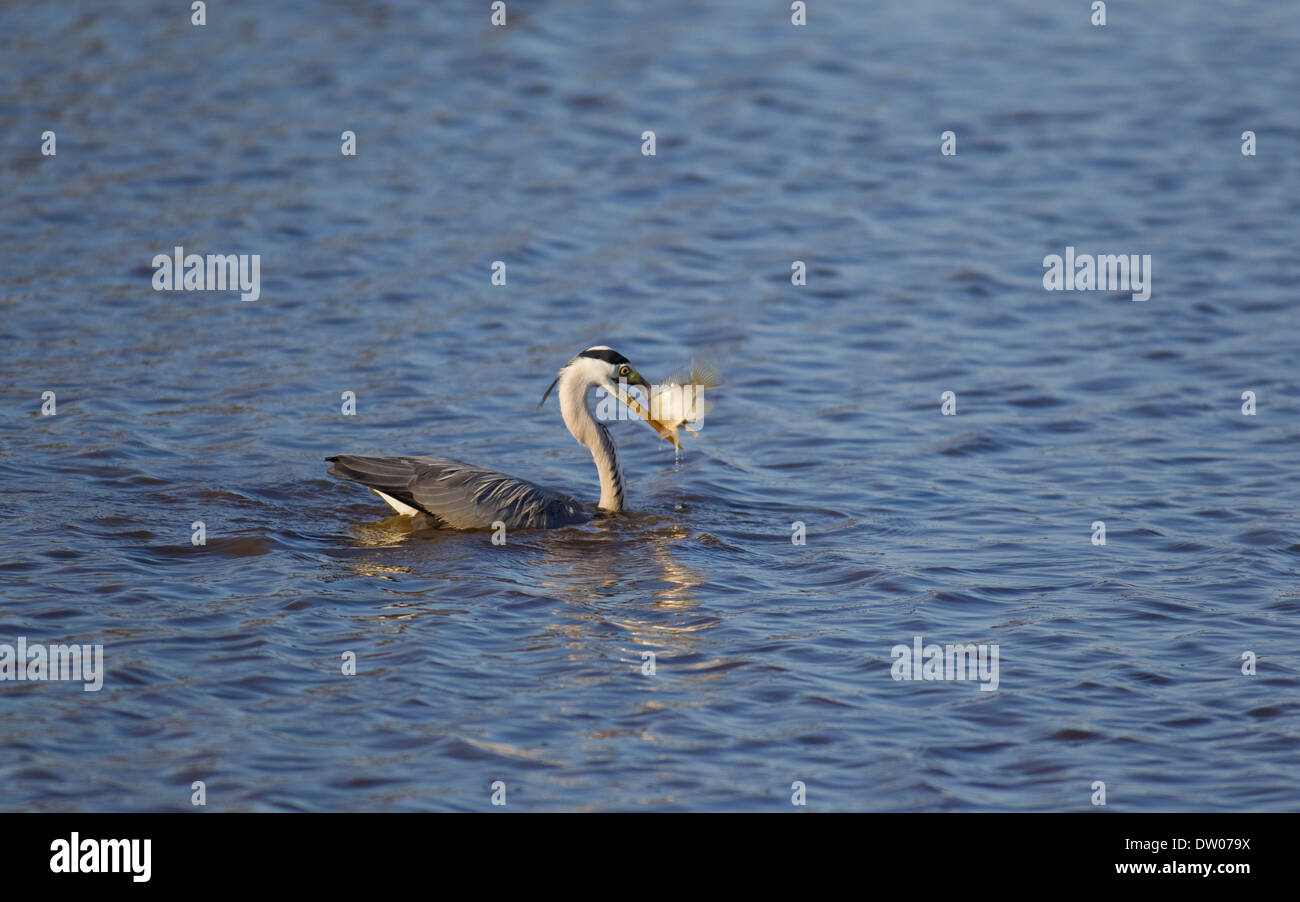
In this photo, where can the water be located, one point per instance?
(522, 663)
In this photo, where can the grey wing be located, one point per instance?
(460, 495)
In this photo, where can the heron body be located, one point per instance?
(458, 495)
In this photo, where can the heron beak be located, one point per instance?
(620, 391)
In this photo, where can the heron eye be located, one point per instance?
(624, 370)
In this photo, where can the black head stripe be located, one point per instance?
(604, 354)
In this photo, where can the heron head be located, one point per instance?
(608, 368)
(601, 367)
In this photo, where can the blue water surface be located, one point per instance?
(523, 663)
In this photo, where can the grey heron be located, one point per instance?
(454, 494)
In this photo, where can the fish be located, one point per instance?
(677, 400)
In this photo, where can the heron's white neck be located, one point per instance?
(572, 390)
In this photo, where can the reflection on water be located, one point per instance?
(581, 568)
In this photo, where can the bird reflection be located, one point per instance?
(605, 571)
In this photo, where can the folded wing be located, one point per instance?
(460, 495)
